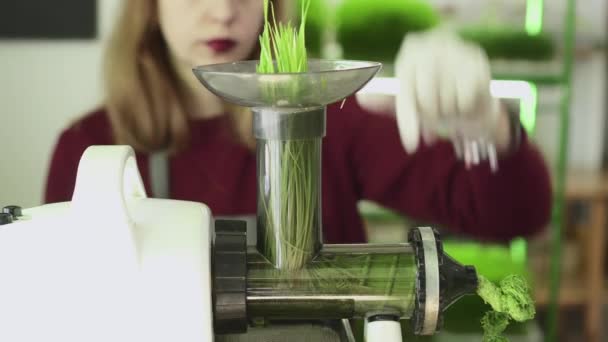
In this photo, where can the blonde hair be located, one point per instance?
(142, 89)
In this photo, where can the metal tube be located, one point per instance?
(561, 170)
(289, 185)
(349, 281)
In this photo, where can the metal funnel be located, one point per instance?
(289, 125)
(325, 82)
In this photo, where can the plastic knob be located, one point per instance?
(5, 218)
(13, 210)
(383, 329)
(230, 277)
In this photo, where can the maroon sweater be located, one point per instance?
(362, 159)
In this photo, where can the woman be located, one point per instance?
(154, 103)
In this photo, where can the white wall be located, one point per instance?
(587, 115)
(43, 86)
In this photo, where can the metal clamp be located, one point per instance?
(427, 314)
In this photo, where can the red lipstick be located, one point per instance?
(221, 45)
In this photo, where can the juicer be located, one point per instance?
(115, 265)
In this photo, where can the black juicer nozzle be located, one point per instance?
(455, 280)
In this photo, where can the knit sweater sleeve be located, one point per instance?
(432, 185)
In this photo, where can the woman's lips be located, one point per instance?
(221, 45)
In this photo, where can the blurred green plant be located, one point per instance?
(511, 43)
(316, 24)
(374, 29)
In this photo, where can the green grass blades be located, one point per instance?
(291, 207)
(292, 203)
(266, 65)
(283, 47)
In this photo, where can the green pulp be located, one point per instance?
(510, 300)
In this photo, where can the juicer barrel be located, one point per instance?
(341, 282)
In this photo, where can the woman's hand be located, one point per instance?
(445, 91)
